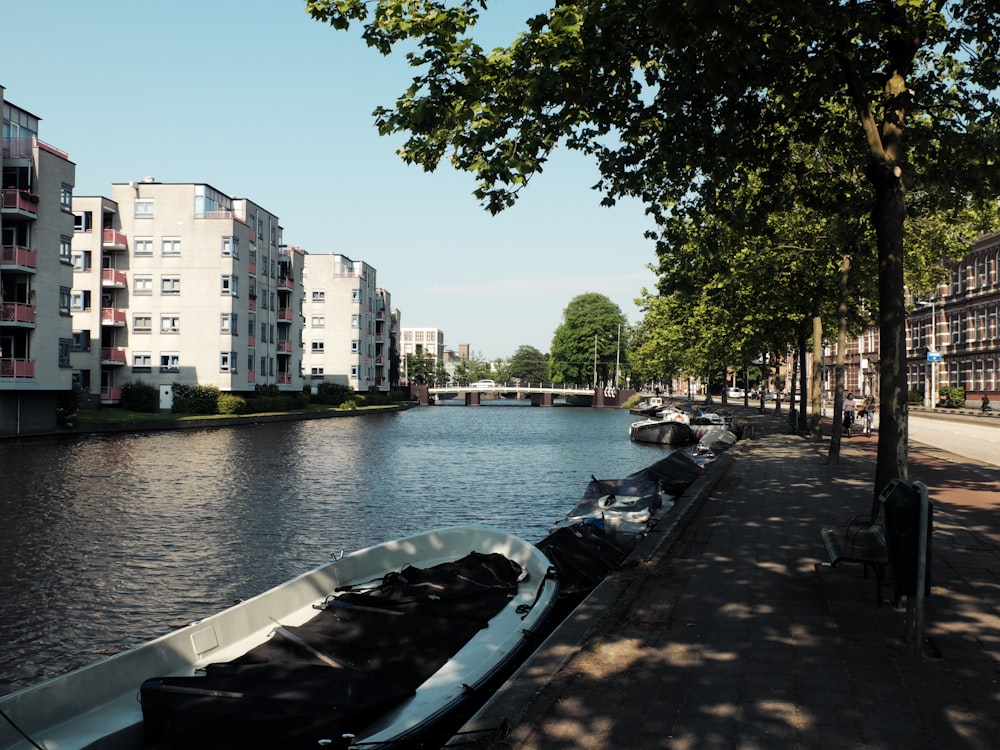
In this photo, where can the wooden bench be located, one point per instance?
(861, 541)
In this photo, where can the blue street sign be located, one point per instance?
(933, 356)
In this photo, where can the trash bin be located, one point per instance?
(901, 510)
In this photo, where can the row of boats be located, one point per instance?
(710, 432)
(374, 649)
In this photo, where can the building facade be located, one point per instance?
(348, 324)
(952, 336)
(36, 276)
(180, 283)
(422, 341)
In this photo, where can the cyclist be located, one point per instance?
(868, 413)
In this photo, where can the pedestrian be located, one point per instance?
(850, 408)
(986, 404)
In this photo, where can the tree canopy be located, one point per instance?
(587, 344)
(528, 364)
(679, 100)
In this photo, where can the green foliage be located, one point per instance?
(141, 397)
(527, 364)
(587, 340)
(68, 405)
(420, 367)
(915, 398)
(952, 397)
(196, 399)
(349, 404)
(473, 368)
(332, 394)
(229, 403)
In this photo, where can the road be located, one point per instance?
(972, 436)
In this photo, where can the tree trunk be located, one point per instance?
(816, 392)
(888, 216)
(833, 457)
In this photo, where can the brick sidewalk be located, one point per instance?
(728, 636)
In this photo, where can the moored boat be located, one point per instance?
(669, 427)
(265, 666)
(648, 406)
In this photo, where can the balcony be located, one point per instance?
(17, 313)
(285, 282)
(284, 315)
(112, 317)
(251, 376)
(283, 347)
(111, 277)
(17, 257)
(17, 368)
(112, 239)
(251, 340)
(251, 304)
(284, 378)
(111, 395)
(20, 203)
(112, 355)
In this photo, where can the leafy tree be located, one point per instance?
(420, 367)
(473, 368)
(585, 346)
(674, 97)
(528, 364)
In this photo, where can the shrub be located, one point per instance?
(349, 404)
(333, 394)
(67, 405)
(141, 397)
(232, 404)
(196, 399)
(915, 398)
(952, 397)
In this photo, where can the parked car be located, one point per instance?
(734, 393)
(483, 384)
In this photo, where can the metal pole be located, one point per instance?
(918, 629)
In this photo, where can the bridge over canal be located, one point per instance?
(539, 394)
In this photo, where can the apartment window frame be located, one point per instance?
(142, 284)
(170, 247)
(142, 361)
(170, 361)
(227, 362)
(318, 295)
(170, 285)
(317, 321)
(317, 347)
(144, 208)
(170, 323)
(142, 246)
(142, 322)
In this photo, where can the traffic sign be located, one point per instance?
(933, 356)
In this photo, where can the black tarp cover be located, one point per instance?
(365, 652)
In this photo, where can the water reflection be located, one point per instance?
(111, 540)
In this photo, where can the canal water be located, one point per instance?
(107, 541)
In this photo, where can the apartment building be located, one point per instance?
(193, 287)
(36, 275)
(349, 324)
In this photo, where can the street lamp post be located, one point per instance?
(933, 355)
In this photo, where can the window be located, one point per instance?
(355, 295)
(65, 295)
(318, 321)
(143, 208)
(355, 346)
(142, 285)
(230, 286)
(354, 371)
(231, 247)
(65, 347)
(81, 341)
(66, 197)
(227, 362)
(66, 249)
(80, 300)
(317, 346)
(142, 322)
(82, 261)
(318, 295)
(228, 323)
(142, 246)
(355, 321)
(170, 246)
(170, 285)
(170, 323)
(142, 361)
(170, 362)
(316, 372)
(83, 221)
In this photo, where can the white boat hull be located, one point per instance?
(97, 706)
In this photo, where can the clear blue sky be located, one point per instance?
(262, 102)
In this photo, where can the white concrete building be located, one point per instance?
(36, 225)
(195, 287)
(348, 324)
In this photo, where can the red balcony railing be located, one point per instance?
(284, 313)
(17, 312)
(112, 317)
(253, 268)
(17, 368)
(111, 395)
(251, 304)
(251, 340)
(112, 355)
(284, 347)
(113, 277)
(24, 201)
(251, 376)
(15, 255)
(113, 239)
(285, 282)
(284, 378)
